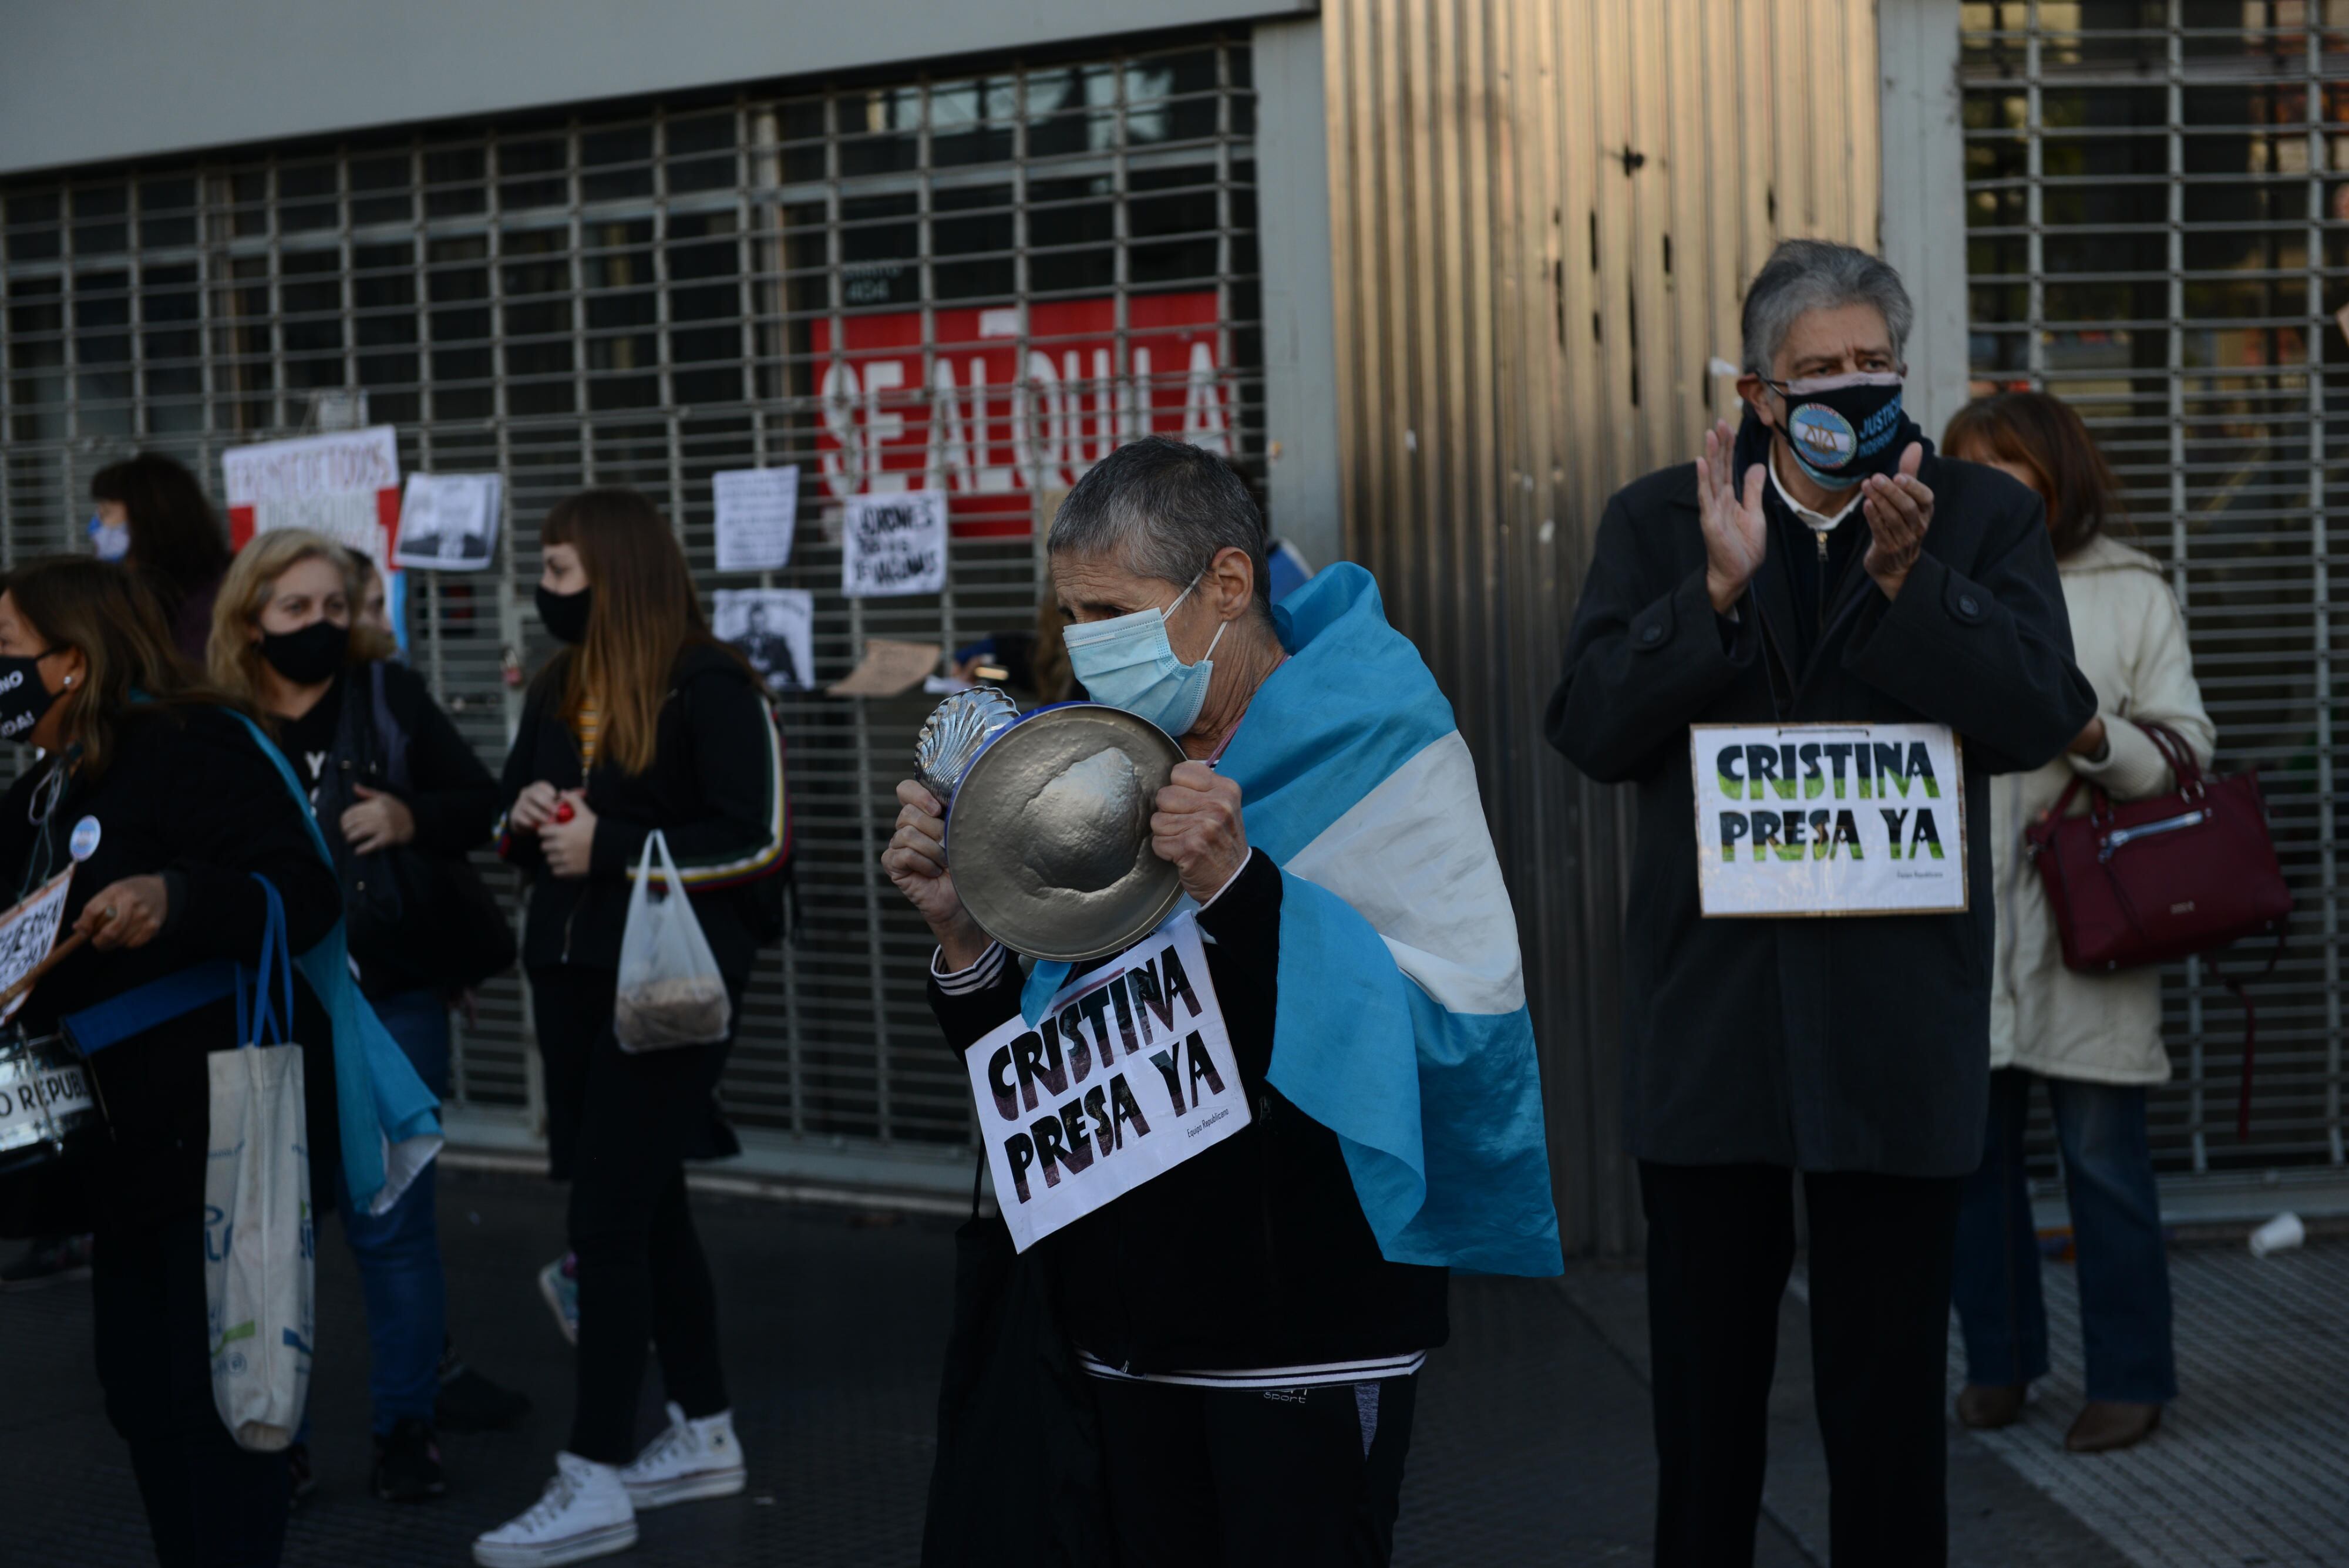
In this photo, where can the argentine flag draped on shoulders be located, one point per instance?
(1402, 1023)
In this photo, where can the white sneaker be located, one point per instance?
(692, 1459)
(583, 1512)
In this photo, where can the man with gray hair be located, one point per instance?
(1798, 647)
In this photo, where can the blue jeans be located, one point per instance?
(2115, 1227)
(398, 1252)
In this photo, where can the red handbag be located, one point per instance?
(2144, 881)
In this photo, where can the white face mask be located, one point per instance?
(110, 540)
(1127, 662)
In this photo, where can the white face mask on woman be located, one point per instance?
(1127, 662)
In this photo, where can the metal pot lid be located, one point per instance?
(1049, 832)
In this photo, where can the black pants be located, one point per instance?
(210, 1504)
(1244, 1478)
(644, 1283)
(1721, 1241)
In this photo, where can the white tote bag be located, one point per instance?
(259, 1285)
(670, 993)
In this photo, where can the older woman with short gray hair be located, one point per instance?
(1820, 566)
(1253, 1318)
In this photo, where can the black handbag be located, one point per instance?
(1017, 1482)
(465, 937)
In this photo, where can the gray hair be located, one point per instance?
(1803, 275)
(1162, 509)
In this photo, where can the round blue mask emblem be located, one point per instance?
(1825, 437)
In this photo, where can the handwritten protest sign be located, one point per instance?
(28, 932)
(893, 545)
(345, 485)
(1829, 819)
(1129, 1074)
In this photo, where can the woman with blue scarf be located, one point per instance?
(1252, 1320)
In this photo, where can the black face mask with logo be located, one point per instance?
(564, 615)
(24, 698)
(1841, 428)
(310, 655)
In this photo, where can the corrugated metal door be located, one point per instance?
(1545, 213)
(2157, 212)
(980, 280)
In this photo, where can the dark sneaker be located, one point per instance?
(298, 1478)
(50, 1259)
(469, 1402)
(408, 1463)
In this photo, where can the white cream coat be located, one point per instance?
(2129, 640)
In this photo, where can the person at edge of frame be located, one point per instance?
(2093, 1041)
(641, 720)
(1247, 1328)
(286, 638)
(1852, 578)
(182, 814)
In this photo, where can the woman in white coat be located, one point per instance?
(2094, 1041)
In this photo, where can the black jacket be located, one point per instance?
(445, 787)
(1254, 1253)
(1851, 1043)
(715, 790)
(188, 795)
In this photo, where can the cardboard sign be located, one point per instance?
(1829, 819)
(892, 545)
(1129, 1074)
(28, 932)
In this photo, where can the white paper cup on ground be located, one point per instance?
(2280, 1234)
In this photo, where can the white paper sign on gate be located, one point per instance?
(345, 484)
(1129, 1074)
(1829, 819)
(28, 932)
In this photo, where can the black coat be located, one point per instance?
(715, 790)
(191, 796)
(1851, 1043)
(1253, 1254)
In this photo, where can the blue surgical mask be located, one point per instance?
(1127, 662)
(110, 540)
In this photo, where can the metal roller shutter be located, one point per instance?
(649, 295)
(2157, 211)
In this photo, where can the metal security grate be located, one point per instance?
(2157, 217)
(981, 281)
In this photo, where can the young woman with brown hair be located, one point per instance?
(2093, 1041)
(177, 814)
(644, 722)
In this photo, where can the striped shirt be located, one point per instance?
(587, 729)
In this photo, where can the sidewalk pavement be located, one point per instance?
(1532, 1444)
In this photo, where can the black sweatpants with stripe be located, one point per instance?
(1255, 1478)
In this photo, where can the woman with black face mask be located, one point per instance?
(400, 798)
(176, 813)
(644, 721)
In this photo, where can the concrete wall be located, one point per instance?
(89, 80)
(1300, 392)
(1924, 217)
